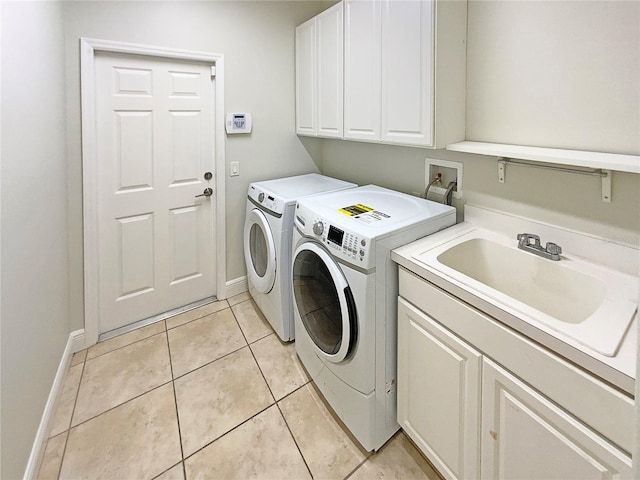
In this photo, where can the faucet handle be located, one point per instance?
(524, 239)
(553, 249)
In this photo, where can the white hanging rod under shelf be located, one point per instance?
(605, 175)
(596, 172)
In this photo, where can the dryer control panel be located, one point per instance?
(342, 243)
(266, 200)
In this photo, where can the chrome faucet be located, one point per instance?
(550, 251)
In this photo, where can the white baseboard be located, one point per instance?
(75, 343)
(237, 286)
(78, 341)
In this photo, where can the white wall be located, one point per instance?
(257, 39)
(35, 276)
(562, 74)
(510, 100)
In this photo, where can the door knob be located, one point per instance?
(207, 193)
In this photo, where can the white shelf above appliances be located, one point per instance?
(600, 164)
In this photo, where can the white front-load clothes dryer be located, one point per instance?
(345, 289)
(268, 229)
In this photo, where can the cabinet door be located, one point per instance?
(407, 72)
(329, 67)
(525, 436)
(306, 78)
(438, 393)
(362, 70)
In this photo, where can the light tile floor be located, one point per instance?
(209, 393)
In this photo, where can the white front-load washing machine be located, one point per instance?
(345, 289)
(267, 242)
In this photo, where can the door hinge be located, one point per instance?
(213, 71)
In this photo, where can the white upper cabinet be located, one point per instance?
(319, 84)
(329, 67)
(362, 106)
(405, 71)
(407, 83)
(306, 121)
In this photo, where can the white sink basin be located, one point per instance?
(564, 294)
(575, 299)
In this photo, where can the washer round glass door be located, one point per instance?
(259, 251)
(324, 301)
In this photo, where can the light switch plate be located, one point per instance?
(235, 169)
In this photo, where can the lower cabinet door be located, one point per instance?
(525, 436)
(439, 393)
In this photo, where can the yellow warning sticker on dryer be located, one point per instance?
(353, 210)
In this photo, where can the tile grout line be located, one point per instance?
(126, 401)
(175, 401)
(172, 466)
(277, 404)
(239, 326)
(182, 375)
(295, 390)
(121, 404)
(295, 442)
(130, 400)
(125, 346)
(272, 394)
(73, 411)
(310, 382)
(208, 444)
(166, 328)
(198, 318)
(246, 345)
(357, 467)
(262, 374)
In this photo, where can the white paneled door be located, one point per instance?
(155, 138)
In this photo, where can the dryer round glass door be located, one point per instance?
(324, 302)
(259, 251)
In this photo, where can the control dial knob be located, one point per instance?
(261, 197)
(318, 228)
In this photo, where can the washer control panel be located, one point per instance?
(343, 244)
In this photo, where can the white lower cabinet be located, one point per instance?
(439, 393)
(474, 419)
(525, 436)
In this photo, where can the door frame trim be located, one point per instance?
(88, 49)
